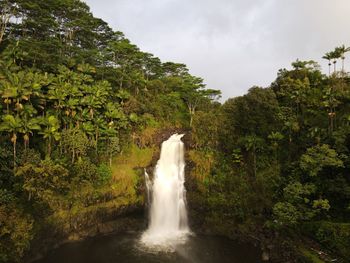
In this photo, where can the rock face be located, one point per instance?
(162, 136)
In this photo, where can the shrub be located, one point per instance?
(104, 173)
(15, 229)
(335, 236)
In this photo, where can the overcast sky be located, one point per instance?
(232, 44)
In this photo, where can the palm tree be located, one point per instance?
(12, 125)
(17, 88)
(99, 124)
(335, 55)
(58, 95)
(8, 93)
(95, 96)
(29, 123)
(342, 50)
(330, 102)
(28, 126)
(50, 132)
(328, 56)
(92, 102)
(252, 144)
(88, 128)
(71, 105)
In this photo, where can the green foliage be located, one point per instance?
(333, 235)
(82, 95)
(104, 174)
(205, 131)
(84, 171)
(318, 157)
(282, 154)
(286, 213)
(297, 192)
(15, 229)
(78, 93)
(76, 142)
(44, 182)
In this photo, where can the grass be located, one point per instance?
(310, 256)
(120, 191)
(203, 163)
(124, 171)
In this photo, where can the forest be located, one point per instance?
(81, 109)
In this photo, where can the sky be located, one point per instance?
(232, 44)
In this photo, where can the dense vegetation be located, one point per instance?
(80, 106)
(281, 160)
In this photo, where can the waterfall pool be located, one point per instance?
(126, 247)
(168, 238)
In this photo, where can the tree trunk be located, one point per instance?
(5, 19)
(26, 143)
(73, 155)
(254, 162)
(14, 151)
(96, 138)
(121, 81)
(192, 112)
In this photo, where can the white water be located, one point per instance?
(168, 224)
(148, 188)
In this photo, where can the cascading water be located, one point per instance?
(149, 188)
(168, 216)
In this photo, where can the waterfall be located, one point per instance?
(168, 216)
(148, 188)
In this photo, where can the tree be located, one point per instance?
(76, 143)
(44, 182)
(342, 50)
(318, 157)
(328, 56)
(50, 131)
(28, 126)
(335, 55)
(205, 128)
(113, 148)
(252, 144)
(193, 93)
(7, 12)
(123, 56)
(16, 229)
(13, 125)
(275, 138)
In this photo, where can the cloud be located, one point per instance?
(232, 44)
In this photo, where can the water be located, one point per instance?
(168, 238)
(168, 225)
(148, 188)
(126, 248)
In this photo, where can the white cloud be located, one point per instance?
(232, 44)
